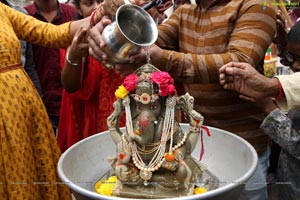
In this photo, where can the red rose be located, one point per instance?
(164, 81)
(130, 82)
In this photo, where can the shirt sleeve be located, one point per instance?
(35, 31)
(284, 131)
(252, 31)
(291, 87)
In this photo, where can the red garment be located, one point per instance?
(84, 112)
(47, 60)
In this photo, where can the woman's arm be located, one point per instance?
(74, 63)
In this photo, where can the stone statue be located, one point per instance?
(154, 154)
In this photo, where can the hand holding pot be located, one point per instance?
(95, 40)
(139, 59)
(132, 29)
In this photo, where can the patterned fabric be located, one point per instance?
(205, 38)
(29, 151)
(84, 112)
(286, 132)
(27, 57)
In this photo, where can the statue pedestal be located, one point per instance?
(163, 184)
(152, 191)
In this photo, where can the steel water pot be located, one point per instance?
(132, 29)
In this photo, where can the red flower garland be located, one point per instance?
(164, 81)
(130, 82)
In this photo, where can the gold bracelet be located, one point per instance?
(69, 61)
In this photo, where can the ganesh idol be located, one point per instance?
(153, 155)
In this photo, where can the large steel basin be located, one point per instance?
(229, 157)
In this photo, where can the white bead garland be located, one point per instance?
(167, 132)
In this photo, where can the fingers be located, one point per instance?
(95, 41)
(234, 68)
(230, 65)
(79, 46)
(125, 69)
(82, 35)
(94, 51)
(247, 98)
(229, 70)
(225, 79)
(139, 58)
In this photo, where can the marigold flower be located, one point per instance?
(106, 187)
(199, 190)
(121, 92)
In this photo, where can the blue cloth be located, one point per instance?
(256, 186)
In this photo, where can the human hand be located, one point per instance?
(267, 105)
(145, 55)
(110, 7)
(246, 80)
(79, 46)
(95, 41)
(136, 61)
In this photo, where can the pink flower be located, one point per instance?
(130, 82)
(164, 81)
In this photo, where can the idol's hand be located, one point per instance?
(95, 41)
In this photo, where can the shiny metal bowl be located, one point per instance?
(132, 29)
(229, 157)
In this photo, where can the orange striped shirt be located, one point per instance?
(199, 40)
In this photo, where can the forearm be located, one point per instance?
(76, 25)
(201, 68)
(273, 88)
(72, 73)
(199, 55)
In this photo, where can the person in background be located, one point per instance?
(290, 56)
(29, 150)
(284, 129)
(294, 11)
(193, 43)
(89, 87)
(71, 2)
(26, 52)
(88, 93)
(47, 59)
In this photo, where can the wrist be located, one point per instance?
(71, 60)
(269, 107)
(274, 90)
(97, 15)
